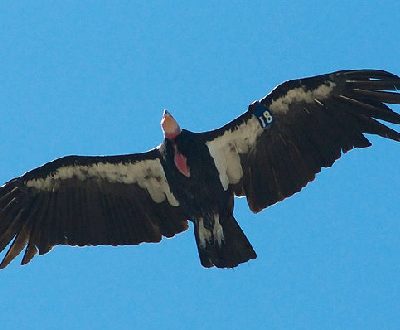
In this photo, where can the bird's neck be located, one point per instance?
(180, 159)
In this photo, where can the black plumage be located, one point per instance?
(267, 154)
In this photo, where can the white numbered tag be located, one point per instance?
(265, 119)
(262, 113)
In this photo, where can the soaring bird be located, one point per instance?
(267, 154)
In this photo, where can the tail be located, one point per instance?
(221, 242)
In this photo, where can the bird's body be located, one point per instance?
(205, 201)
(267, 154)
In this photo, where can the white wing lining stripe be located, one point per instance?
(300, 94)
(148, 174)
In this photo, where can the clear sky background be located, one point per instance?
(92, 77)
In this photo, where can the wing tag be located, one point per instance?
(263, 114)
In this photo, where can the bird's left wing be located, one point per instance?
(281, 142)
(76, 200)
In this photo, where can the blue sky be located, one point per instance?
(92, 77)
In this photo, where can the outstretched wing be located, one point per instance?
(88, 201)
(283, 140)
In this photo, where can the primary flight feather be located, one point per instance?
(267, 154)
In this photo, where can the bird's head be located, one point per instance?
(169, 126)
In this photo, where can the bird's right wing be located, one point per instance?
(277, 147)
(79, 200)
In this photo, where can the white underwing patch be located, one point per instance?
(148, 174)
(225, 150)
(300, 94)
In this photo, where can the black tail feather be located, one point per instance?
(230, 251)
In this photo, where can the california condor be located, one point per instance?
(267, 154)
